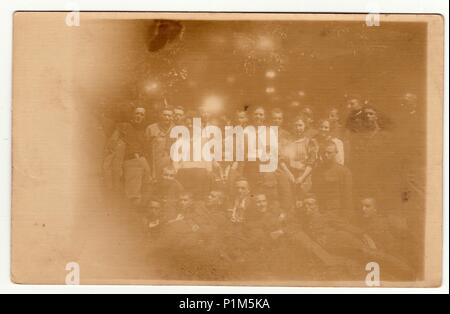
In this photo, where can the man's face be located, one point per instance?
(214, 199)
(139, 115)
(330, 153)
(368, 207)
(261, 203)
(354, 104)
(325, 128)
(178, 115)
(166, 117)
(154, 208)
(371, 115)
(310, 206)
(259, 116)
(242, 189)
(168, 174)
(300, 127)
(242, 118)
(277, 119)
(185, 201)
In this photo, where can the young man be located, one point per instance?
(262, 236)
(376, 227)
(159, 142)
(308, 114)
(324, 136)
(386, 241)
(354, 122)
(185, 233)
(215, 201)
(371, 121)
(332, 183)
(264, 222)
(331, 232)
(179, 117)
(136, 170)
(154, 218)
(241, 118)
(242, 200)
(284, 136)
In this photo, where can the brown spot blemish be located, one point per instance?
(405, 196)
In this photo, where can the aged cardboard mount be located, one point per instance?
(123, 172)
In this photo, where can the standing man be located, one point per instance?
(284, 136)
(159, 142)
(324, 136)
(179, 117)
(135, 165)
(332, 183)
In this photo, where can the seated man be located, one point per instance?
(215, 200)
(329, 230)
(189, 237)
(259, 242)
(382, 238)
(234, 244)
(263, 223)
(215, 208)
(327, 238)
(284, 136)
(375, 227)
(154, 218)
(242, 200)
(184, 208)
(183, 223)
(215, 222)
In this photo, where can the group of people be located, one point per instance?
(227, 218)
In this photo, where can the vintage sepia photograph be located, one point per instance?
(227, 149)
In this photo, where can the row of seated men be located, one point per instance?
(250, 235)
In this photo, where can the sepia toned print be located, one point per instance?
(231, 149)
